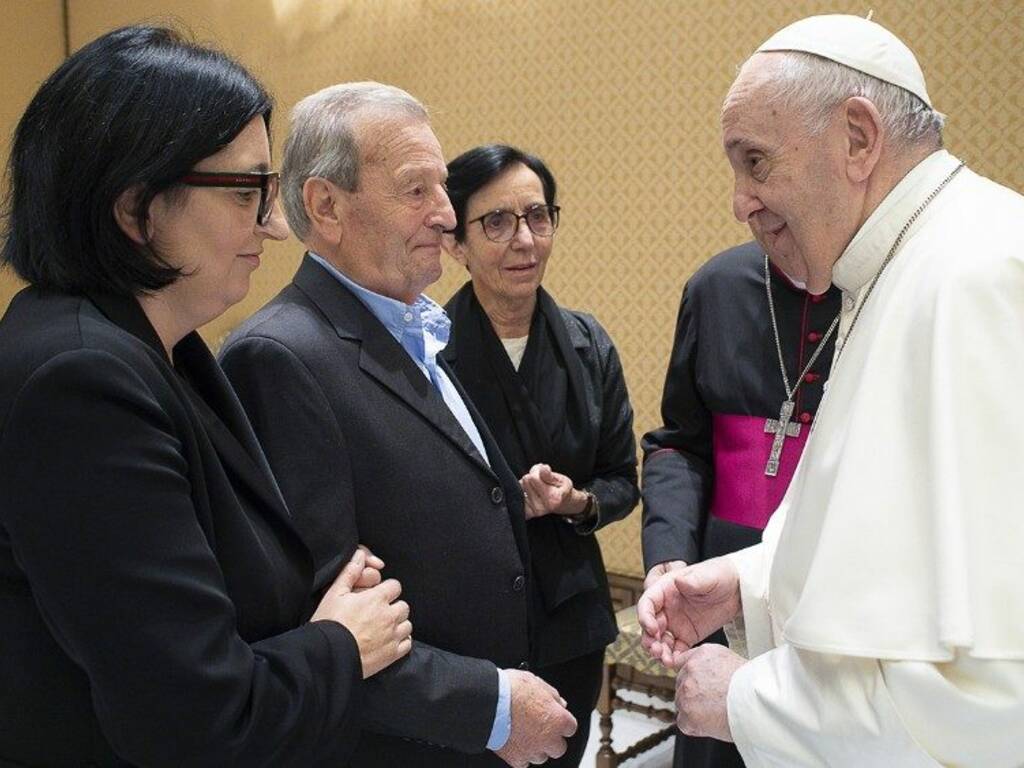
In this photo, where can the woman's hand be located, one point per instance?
(549, 493)
(374, 615)
(370, 577)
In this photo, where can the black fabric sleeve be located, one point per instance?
(614, 481)
(431, 695)
(127, 583)
(677, 466)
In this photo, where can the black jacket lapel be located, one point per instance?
(214, 402)
(382, 357)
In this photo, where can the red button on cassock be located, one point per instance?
(805, 417)
(814, 337)
(811, 377)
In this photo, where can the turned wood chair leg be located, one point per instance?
(606, 757)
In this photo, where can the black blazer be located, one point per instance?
(366, 451)
(151, 582)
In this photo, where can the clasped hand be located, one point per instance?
(679, 609)
(547, 492)
(370, 609)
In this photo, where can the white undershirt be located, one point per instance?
(515, 348)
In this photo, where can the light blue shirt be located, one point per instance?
(423, 328)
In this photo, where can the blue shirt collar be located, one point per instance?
(422, 327)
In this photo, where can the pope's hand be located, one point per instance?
(685, 606)
(659, 570)
(702, 688)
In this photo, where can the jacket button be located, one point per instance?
(523, 665)
(497, 495)
(518, 583)
(813, 336)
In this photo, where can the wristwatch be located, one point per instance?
(589, 518)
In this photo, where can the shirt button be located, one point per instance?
(811, 377)
(813, 337)
(497, 495)
(407, 317)
(523, 665)
(805, 417)
(518, 583)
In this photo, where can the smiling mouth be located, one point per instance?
(521, 267)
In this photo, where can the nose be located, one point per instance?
(443, 215)
(744, 202)
(523, 236)
(276, 227)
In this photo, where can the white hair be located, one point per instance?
(815, 86)
(322, 141)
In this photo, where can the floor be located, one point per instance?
(627, 727)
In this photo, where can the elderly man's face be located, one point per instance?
(790, 187)
(396, 217)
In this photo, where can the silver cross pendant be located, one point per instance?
(782, 429)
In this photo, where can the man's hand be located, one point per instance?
(549, 493)
(659, 570)
(540, 722)
(377, 619)
(702, 687)
(685, 606)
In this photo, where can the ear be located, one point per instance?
(864, 138)
(326, 205)
(126, 214)
(454, 248)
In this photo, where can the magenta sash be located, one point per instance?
(743, 493)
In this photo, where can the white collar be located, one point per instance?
(864, 255)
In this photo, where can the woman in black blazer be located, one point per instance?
(549, 384)
(155, 604)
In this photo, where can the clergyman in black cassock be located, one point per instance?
(707, 489)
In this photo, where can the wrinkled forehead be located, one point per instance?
(752, 82)
(390, 139)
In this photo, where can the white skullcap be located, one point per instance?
(857, 43)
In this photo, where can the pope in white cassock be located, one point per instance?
(881, 622)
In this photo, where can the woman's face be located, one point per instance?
(212, 234)
(512, 271)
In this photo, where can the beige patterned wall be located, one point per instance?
(621, 98)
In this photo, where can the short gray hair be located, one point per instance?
(322, 141)
(816, 86)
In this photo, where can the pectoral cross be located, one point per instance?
(782, 429)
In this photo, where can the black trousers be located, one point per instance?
(692, 752)
(579, 683)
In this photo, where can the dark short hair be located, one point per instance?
(140, 105)
(477, 167)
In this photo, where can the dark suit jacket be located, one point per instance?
(366, 451)
(151, 582)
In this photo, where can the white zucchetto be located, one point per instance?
(857, 43)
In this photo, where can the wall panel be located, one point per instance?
(621, 98)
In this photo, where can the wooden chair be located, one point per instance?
(627, 666)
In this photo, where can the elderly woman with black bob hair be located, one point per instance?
(549, 385)
(157, 602)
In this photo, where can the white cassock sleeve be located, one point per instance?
(790, 708)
